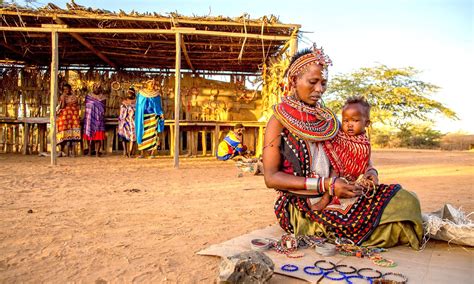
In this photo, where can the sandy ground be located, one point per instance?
(113, 219)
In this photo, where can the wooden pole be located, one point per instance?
(150, 19)
(294, 43)
(54, 94)
(188, 31)
(89, 46)
(177, 99)
(259, 149)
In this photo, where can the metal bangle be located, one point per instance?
(352, 269)
(311, 183)
(324, 261)
(369, 277)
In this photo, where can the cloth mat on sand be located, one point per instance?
(437, 263)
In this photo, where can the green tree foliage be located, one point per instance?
(419, 136)
(409, 135)
(396, 96)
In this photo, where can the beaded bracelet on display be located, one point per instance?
(379, 274)
(287, 245)
(353, 273)
(349, 277)
(341, 276)
(371, 253)
(317, 264)
(403, 277)
(341, 267)
(309, 270)
(289, 268)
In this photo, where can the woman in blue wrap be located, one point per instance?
(148, 119)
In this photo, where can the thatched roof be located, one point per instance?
(140, 50)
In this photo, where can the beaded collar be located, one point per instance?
(312, 123)
(149, 94)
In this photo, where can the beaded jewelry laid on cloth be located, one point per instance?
(312, 123)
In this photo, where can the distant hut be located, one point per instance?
(42, 48)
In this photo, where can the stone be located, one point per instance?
(246, 267)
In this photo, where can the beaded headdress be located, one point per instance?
(317, 56)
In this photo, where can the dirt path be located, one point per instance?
(125, 220)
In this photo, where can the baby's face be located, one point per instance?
(354, 120)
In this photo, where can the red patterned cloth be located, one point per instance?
(349, 155)
(68, 124)
(356, 224)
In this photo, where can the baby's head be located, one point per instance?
(355, 116)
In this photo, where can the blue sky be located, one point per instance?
(434, 36)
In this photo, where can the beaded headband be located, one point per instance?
(316, 57)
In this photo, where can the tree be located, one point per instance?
(419, 136)
(396, 96)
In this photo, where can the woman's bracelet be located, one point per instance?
(311, 184)
(332, 187)
(322, 189)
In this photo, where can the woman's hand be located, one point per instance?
(372, 175)
(346, 190)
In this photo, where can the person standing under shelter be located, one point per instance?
(232, 145)
(126, 123)
(94, 119)
(69, 125)
(149, 119)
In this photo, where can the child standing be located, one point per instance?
(126, 123)
(349, 151)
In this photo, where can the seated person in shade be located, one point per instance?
(232, 145)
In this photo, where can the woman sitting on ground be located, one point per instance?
(295, 164)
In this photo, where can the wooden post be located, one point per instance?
(177, 99)
(294, 43)
(215, 142)
(204, 143)
(26, 135)
(54, 94)
(259, 149)
(171, 140)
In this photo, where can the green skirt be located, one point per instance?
(400, 223)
